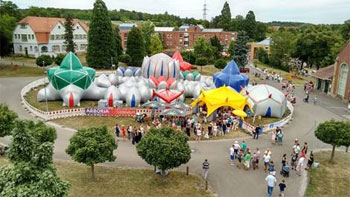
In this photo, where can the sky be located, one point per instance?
(310, 11)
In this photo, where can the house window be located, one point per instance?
(24, 38)
(64, 47)
(33, 36)
(81, 36)
(31, 48)
(36, 49)
(15, 36)
(169, 36)
(343, 76)
(83, 47)
(19, 36)
(56, 48)
(59, 27)
(52, 37)
(84, 36)
(75, 36)
(20, 48)
(77, 27)
(57, 37)
(44, 49)
(23, 26)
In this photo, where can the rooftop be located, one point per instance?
(126, 26)
(325, 73)
(213, 30)
(164, 29)
(267, 41)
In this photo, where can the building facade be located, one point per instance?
(35, 36)
(185, 37)
(324, 78)
(254, 47)
(341, 76)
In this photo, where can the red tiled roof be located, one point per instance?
(42, 26)
(325, 73)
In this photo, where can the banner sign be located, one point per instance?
(110, 112)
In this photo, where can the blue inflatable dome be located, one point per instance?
(231, 76)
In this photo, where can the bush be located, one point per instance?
(58, 59)
(263, 56)
(220, 63)
(44, 60)
(125, 58)
(201, 61)
(189, 56)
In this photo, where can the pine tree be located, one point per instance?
(241, 49)
(231, 49)
(215, 42)
(225, 17)
(118, 49)
(136, 46)
(250, 25)
(68, 35)
(100, 49)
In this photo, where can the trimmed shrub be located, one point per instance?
(125, 58)
(220, 63)
(201, 61)
(188, 56)
(44, 60)
(58, 59)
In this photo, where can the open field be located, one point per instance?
(126, 182)
(330, 179)
(20, 71)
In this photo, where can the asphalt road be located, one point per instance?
(226, 180)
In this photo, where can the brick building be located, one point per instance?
(185, 37)
(341, 76)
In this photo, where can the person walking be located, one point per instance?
(271, 183)
(282, 187)
(247, 158)
(267, 158)
(257, 132)
(293, 162)
(244, 146)
(123, 132)
(117, 131)
(279, 136)
(232, 155)
(236, 147)
(300, 165)
(205, 167)
(310, 161)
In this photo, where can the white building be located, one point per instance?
(36, 36)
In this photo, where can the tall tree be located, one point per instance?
(231, 49)
(147, 29)
(241, 49)
(345, 30)
(100, 50)
(7, 120)
(156, 45)
(9, 14)
(31, 172)
(250, 26)
(136, 46)
(215, 42)
(225, 17)
(118, 49)
(68, 35)
(333, 132)
(261, 30)
(282, 49)
(91, 146)
(202, 48)
(164, 148)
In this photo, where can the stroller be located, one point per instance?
(285, 171)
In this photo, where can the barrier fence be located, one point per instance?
(126, 112)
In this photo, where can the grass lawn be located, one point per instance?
(285, 75)
(207, 70)
(20, 59)
(330, 179)
(52, 105)
(126, 182)
(20, 71)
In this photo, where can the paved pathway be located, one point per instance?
(225, 179)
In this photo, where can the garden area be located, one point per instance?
(20, 71)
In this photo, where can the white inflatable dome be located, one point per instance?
(160, 65)
(266, 100)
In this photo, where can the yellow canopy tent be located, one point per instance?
(220, 97)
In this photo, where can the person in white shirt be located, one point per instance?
(271, 182)
(215, 129)
(236, 147)
(267, 158)
(232, 155)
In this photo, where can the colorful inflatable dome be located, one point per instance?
(231, 76)
(160, 65)
(266, 100)
(183, 65)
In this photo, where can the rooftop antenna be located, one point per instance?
(205, 10)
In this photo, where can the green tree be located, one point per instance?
(225, 17)
(118, 49)
(100, 50)
(345, 30)
(44, 60)
(164, 148)
(156, 45)
(68, 34)
(250, 25)
(202, 48)
(147, 29)
(282, 49)
(332, 132)
(58, 59)
(261, 30)
(215, 42)
(7, 120)
(31, 172)
(136, 46)
(241, 49)
(263, 56)
(231, 49)
(220, 63)
(91, 146)
(7, 26)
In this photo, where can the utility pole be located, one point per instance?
(205, 10)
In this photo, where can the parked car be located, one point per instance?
(244, 70)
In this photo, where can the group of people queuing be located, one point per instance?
(131, 133)
(309, 86)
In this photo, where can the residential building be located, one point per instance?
(324, 77)
(35, 36)
(254, 46)
(184, 37)
(341, 74)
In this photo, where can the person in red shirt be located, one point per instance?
(123, 132)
